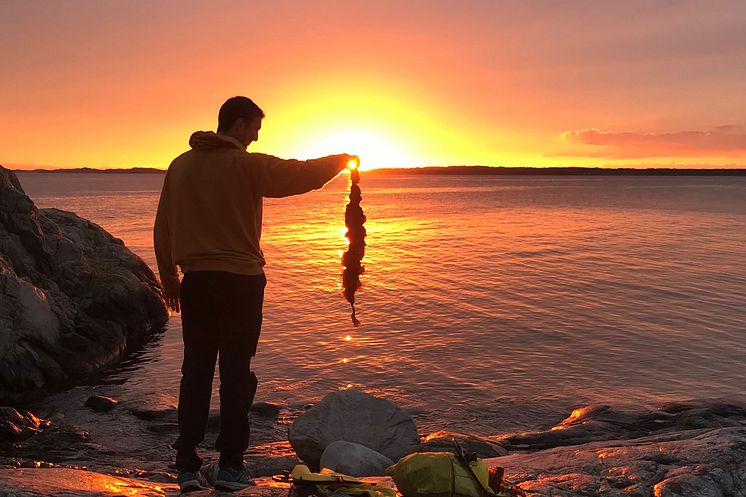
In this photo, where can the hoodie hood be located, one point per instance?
(209, 140)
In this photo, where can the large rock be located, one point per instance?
(354, 459)
(604, 422)
(73, 299)
(353, 416)
(691, 463)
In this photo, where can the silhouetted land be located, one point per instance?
(471, 170)
(129, 170)
(560, 171)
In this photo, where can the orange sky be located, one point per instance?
(121, 84)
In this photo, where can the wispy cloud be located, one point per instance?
(722, 141)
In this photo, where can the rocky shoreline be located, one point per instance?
(695, 448)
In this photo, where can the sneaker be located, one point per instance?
(189, 482)
(209, 472)
(233, 479)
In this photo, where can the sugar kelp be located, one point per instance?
(352, 259)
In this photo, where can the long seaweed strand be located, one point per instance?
(351, 260)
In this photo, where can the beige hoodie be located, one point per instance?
(210, 211)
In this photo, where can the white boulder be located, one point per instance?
(354, 459)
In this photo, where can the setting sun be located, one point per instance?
(374, 150)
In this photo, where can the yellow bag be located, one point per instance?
(439, 474)
(330, 483)
(301, 473)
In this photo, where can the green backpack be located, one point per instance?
(442, 474)
(438, 474)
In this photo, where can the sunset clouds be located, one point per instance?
(723, 141)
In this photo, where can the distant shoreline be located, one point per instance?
(464, 171)
(558, 171)
(90, 170)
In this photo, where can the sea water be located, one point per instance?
(490, 303)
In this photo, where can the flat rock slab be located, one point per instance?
(64, 482)
(23, 482)
(693, 463)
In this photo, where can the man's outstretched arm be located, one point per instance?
(275, 177)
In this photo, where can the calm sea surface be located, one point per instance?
(490, 303)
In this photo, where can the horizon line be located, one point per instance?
(452, 169)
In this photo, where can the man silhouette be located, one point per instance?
(209, 224)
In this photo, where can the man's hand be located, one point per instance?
(174, 303)
(172, 292)
(352, 162)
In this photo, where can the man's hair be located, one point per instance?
(235, 108)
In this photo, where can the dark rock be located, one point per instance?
(99, 403)
(274, 465)
(73, 299)
(17, 426)
(602, 422)
(353, 416)
(54, 444)
(155, 414)
(159, 477)
(266, 409)
(442, 441)
(163, 427)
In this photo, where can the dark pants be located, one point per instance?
(221, 315)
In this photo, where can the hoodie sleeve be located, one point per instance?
(275, 177)
(162, 245)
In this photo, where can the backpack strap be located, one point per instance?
(466, 459)
(503, 488)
